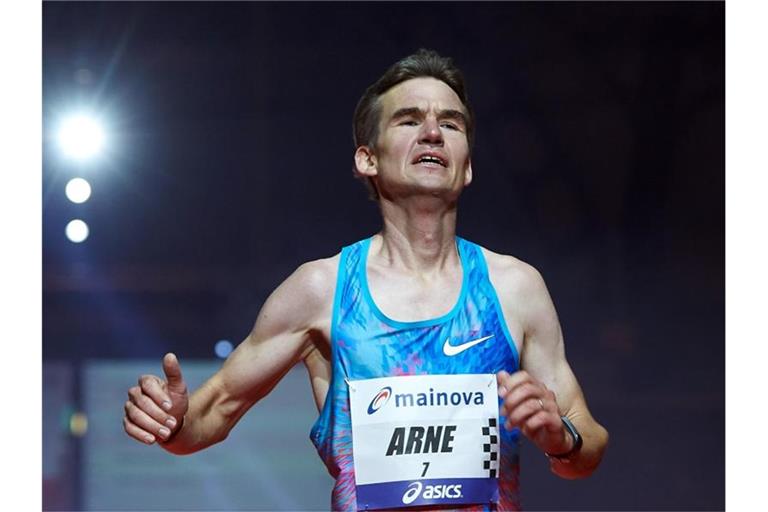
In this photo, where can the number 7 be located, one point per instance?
(426, 467)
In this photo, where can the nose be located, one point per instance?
(431, 133)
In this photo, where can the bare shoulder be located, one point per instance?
(512, 277)
(523, 294)
(318, 277)
(313, 282)
(303, 298)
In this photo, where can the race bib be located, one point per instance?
(425, 440)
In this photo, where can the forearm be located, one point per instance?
(582, 463)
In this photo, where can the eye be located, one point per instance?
(450, 126)
(408, 122)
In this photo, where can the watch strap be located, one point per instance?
(577, 441)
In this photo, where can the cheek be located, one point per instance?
(459, 142)
(395, 149)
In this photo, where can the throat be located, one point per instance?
(408, 295)
(422, 244)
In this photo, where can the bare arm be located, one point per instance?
(284, 332)
(546, 388)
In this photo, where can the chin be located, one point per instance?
(436, 190)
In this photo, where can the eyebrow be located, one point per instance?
(453, 114)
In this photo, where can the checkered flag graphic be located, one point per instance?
(491, 447)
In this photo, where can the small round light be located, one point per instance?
(78, 190)
(77, 231)
(78, 424)
(223, 348)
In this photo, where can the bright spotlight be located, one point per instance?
(77, 231)
(223, 348)
(81, 137)
(78, 190)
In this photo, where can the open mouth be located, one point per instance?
(431, 159)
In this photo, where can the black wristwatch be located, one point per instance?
(576, 441)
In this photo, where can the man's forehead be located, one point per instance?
(423, 93)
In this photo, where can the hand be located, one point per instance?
(156, 407)
(529, 405)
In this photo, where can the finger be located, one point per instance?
(510, 381)
(523, 412)
(148, 405)
(153, 387)
(501, 379)
(145, 422)
(536, 422)
(172, 370)
(519, 377)
(532, 420)
(543, 420)
(518, 395)
(137, 433)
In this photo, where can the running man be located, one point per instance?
(428, 355)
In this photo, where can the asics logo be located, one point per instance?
(431, 492)
(452, 350)
(412, 493)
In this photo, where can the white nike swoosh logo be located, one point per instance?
(452, 350)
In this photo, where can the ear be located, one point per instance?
(365, 162)
(468, 174)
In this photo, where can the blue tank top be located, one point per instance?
(366, 344)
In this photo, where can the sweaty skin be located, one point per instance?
(414, 273)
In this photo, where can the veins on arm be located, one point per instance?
(282, 334)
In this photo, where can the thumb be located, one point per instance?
(173, 375)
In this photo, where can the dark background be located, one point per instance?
(599, 159)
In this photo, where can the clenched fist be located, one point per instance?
(528, 404)
(155, 408)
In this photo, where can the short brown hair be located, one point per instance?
(423, 63)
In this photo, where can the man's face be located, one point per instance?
(422, 145)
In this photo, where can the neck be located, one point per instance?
(419, 234)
